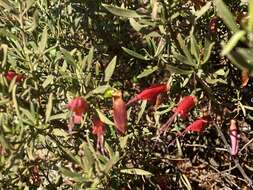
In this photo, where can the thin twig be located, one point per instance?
(248, 143)
(236, 161)
(204, 146)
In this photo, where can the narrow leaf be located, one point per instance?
(49, 107)
(134, 54)
(148, 71)
(136, 171)
(143, 106)
(185, 50)
(110, 69)
(250, 21)
(43, 41)
(48, 81)
(203, 10)
(104, 119)
(207, 51)
(232, 42)
(226, 15)
(121, 12)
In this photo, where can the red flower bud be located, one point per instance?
(197, 126)
(99, 130)
(78, 106)
(98, 127)
(233, 138)
(185, 105)
(11, 74)
(119, 112)
(150, 93)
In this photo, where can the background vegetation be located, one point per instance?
(70, 48)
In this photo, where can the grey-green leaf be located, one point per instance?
(121, 12)
(110, 69)
(135, 54)
(103, 118)
(232, 42)
(148, 71)
(136, 171)
(49, 107)
(226, 15)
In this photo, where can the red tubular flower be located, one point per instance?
(98, 129)
(149, 94)
(233, 138)
(78, 106)
(197, 126)
(119, 112)
(184, 106)
(11, 74)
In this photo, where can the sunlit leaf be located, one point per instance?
(232, 42)
(110, 69)
(136, 171)
(121, 12)
(135, 54)
(226, 15)
(148, 71)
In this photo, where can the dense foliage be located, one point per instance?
(62, 62)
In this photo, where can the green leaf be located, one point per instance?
(43, 41)
(111, 162)
(90, 58)
(58, 116)
(123, 141)
(177, 70)
(226, 15)
(4, 47)
(49, 107)
(160, 47)
(68, 57)
(48, 81)
(134, 54)
(29, 115)
(149, 70)
(186, 51)
(74, 175)
(110, 69)
(121, 12)
(202, 11)
(136, 171)
(137, 26)
(60, 133)
(4, 101)
(104, 119)
(6, 5)
(250, 12)
(29, 3)
(238, 60)
(99, 90)
(194, 48)
(143, 106)
(232, 42)
(207, 52)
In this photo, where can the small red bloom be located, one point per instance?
(98, 129)
(78, 106)
(184, 106)
(11, 74)
(119, 112)
(149, 94)
(233, 138)
(197, 126)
